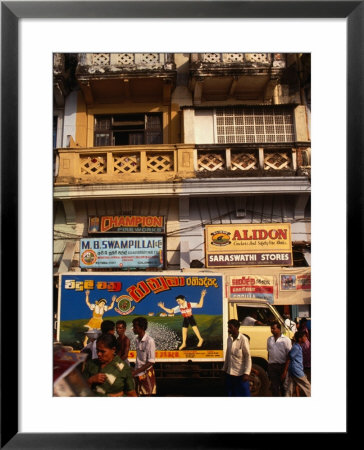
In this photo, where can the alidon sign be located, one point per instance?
(124, 253)
(86, 299)
(248, 244)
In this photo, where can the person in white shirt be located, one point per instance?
(278, 347)
(144, 366)
(289, 323)
(251, 320)
(238, 363)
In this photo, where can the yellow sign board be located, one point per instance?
(248, 244)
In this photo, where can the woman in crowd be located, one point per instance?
(108, 375)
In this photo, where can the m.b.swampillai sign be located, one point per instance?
(248, 244)
(131, 253)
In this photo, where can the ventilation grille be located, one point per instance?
(254, 125)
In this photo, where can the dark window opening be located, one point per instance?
(55, 124)
(264, 315)
(128, 129)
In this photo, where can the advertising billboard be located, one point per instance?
(88, 298)
(126, 224)
(252, 286)
(240, 245)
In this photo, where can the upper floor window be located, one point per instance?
(128, 129)
(254, 125)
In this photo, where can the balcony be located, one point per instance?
(118, 77)
(241, 160)
(170, 163)
(239, 76)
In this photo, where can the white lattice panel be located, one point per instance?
(233, 57)
(212, 57)
(258, 57)
(126, 163)
(149, 58)
(210, 162)
(101, 59)
(125, 59)
(93, 165)
(254, 125)
(162, 162)
(244, 161)
(277, 161)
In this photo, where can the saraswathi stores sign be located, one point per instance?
(248, 244)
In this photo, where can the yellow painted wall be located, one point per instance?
(81, 122)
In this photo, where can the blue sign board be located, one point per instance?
(123, 253)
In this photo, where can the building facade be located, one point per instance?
(201, 140)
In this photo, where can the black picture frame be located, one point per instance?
(11, 12)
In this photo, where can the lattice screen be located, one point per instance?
(101, 59)
(125, 58)
(150, 58)
(254, 125)
(161, 162)
(126, 163)
(93, 165)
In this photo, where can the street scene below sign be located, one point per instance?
(248, 244)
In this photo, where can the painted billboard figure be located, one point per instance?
(185, 308)
(98, 309)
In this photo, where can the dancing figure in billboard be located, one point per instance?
(98, 309)
(185, 308)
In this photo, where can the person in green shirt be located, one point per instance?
(108, 375)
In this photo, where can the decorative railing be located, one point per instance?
(126, 163)
(226, 59)
(150, 60)
(263, 58)
(167, 162)
(246, 160)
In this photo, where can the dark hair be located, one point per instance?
(121, 322)
(299, 335)
(235, 323)
(142, 322)
(109, 340)
(275, 322)
(182, 297)
(107, 325)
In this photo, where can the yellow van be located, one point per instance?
(247, 311)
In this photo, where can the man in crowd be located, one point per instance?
(278, 347)
(238, 362)
(144, 366)
(294, 367)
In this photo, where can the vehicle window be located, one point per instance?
(247, 315)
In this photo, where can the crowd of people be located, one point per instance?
(289, 361)
(108, 371)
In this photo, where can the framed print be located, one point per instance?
(30, 416)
